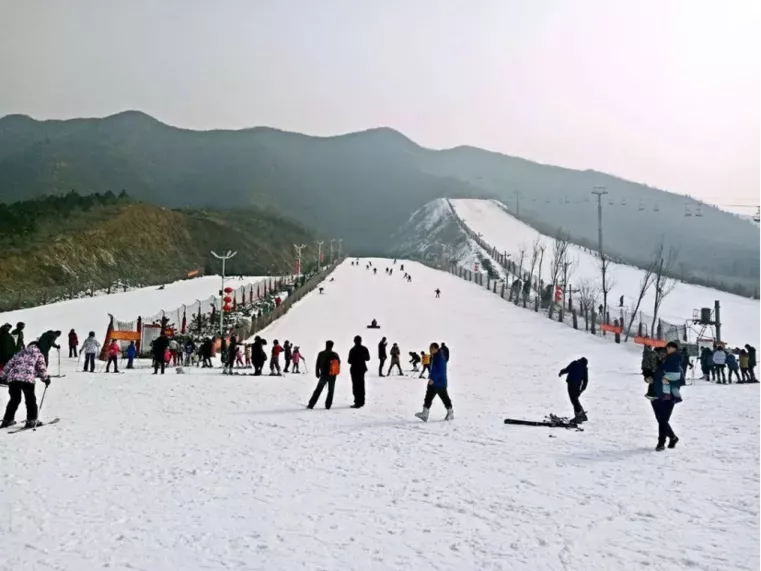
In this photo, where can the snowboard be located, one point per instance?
(551, 421)
(24, 428)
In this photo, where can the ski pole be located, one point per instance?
(39, 411)
(59, 363)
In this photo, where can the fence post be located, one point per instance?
(502, 294)
(594, 319)
(536, 304)
(575, 319)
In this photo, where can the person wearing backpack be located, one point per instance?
(326, 369)
(358, 358)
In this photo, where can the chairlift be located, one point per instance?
(610, 203)
(641, 206)
(699, 211)
(687, 211)
(623, 202)
(656, 208)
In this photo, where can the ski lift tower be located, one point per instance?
(708, 318)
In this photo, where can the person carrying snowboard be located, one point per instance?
(437, 385)
(358, 358)
(577, 379)
(381, 356)
(426, 360)
(395, 362)
(326, 369)
(90, 348)
(20, 374)
(113, 355)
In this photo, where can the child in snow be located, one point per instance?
(426, 360)
(131, 354)
(19, 373)
(90, 348)
(437, 385)
(239, 358)
(414, 360)
(296, 359)
(275, 360)
(247, 356)
(113, 355)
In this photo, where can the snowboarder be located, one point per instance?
(426, 360)
(667, 383)
(577, 379)
(751, 362)
(288, 352)
(113, 355)
(395, 361)
(131, 355)
(381, 356)
(46, 342)
(401, 267)
(326, 369)
(414, 360)
(437, 291)
(19, 374)
(358, 358)
(73, 344)
(19, 333)
(296, 356)
(159, 349)
(275, 361)
(7, 345)
(90, 348)
(437, 385)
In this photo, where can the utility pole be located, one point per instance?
(340, 246)
(298, 252)
(331, 250)
(224, 257)
(319, 255)
(599, 191)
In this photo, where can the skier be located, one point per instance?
(686, 362)
(113, 355)
(7, 345)
(229, 357)
(131, 354)
(381, 356)
(577, 379)
(414, 360)
(287, 350)
(751, 362)
(326, 369)
(395, 353)
(19, 333)
(258, 356)
(426, 360)
(275, 361)
(437, 291)
(46, 342)
(732, 367)
(390, 271)
(190, 348)
(19, 374)
(437, 385)
(375, 270)
(90, 348)
(358, 358)
(73, 344)
(667, 383)
(296, 356)
(402, 267)
(719, 363)
(159, 348)
(409, 278)
(247, 356)
(239, 357)
(445, 351)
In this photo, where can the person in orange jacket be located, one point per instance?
(425, 359)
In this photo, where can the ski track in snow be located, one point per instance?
(740, 315)
(203, 471)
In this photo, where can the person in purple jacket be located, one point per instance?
(20, 374)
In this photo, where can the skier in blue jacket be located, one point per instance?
(131, 354)
(437, 385)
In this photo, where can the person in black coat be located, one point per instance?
(48, 341)
(7, 344)
(358, 358)
(158, 350)
(288, 353)
(326, 360)
(258, 355)
(19, 333)
(382, 356)
(229, 357)
(577, 379)
(444, 351)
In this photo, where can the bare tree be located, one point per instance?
(559, 259)
(535, 249)
(539, 271)
(664, 285)
(589, 295)
(521, 256)
(608, 281)
(569, 266)
(644, 285)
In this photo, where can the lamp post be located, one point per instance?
(298, 250)
(224, 257)
(340, 247)
(319, 255)
(331, 250)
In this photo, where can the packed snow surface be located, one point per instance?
(91, 313)
(740, 316)
(204, 471)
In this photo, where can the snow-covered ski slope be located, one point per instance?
(740, 315)
(204, 471)
(91, 313)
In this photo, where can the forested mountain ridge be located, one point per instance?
(361, 186)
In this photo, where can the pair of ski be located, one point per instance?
(551, 421)
(25, 428)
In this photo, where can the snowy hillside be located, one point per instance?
(740, 315)
(204, 471)
(91, 313)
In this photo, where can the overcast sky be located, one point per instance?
(665, 92)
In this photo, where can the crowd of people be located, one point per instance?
(720, 364)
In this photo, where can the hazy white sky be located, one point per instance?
(666, 92)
